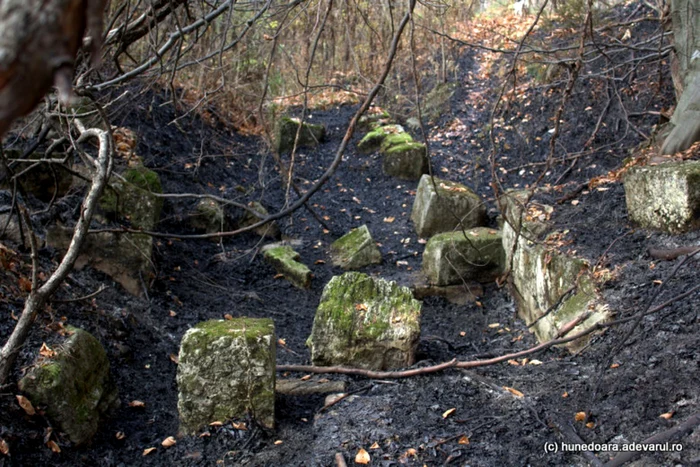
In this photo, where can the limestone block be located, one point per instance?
(286, 262)
(286, 131)
(451, 206)
(227, 370)
(269, 230)
(134, 200)
(451, 258)
(355, 250)
(74, 385)
(664, 197)
(373, 140)
(550, 288)
(365, 322)
(407, 161)
(208, 216)
(45, 179)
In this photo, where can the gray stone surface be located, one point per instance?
(542, 277)
(74, 385)
(365, 322)
(407, 161)
(355, 250)
(443, 206)
(208, 216)
(269, 230)
(227, 370)
(664, 197)
(451, 258)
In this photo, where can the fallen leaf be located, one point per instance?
(575, 202)
(147, 451)
(448, 412)
(360, 307)
(580, 416)
(515, 392)
(174, 358)
(216, 424)
(137, 403)
(590, 425)
(278, 442)
(389, 220)
(281, 341)
(4, 448)
(495, 325)
(319, 261)
(228, 317)
(172, 313)
(565, 395)
(463, 440)
(45, 351)
(120, 435)
(53, 446)
(513, 362)
(374, 446)
(362, 457)
(534, 361)
(305, 377)
(667, 415)
(462, 333)
(26, 405)
(168, 442)
(239, 426)
(205, 434)
(615, 365)
(411, 452)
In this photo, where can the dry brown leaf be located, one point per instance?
(513, 391)
(172, 313)
(175, 359)
(389, 220)
(53, 446)
(168, 442)
(239, 426)
(362, 457)
(45, 351)
(448, 412)
(205, 434)
(228, 317)
(319, 261)
(580, 416)
(120, 435)
(305, 377)
(534, 361)
(26, 405)
(217, 423)
(615, 365)
(565, 394)
(278, 442)
(667, 415)
(137, 403)
(513, 362)
(147, 451)
(375, 445)
(411, 452)
(495, 325)
(590, 425)
(4, 447)
(360, 307)
(463, 440)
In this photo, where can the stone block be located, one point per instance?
(365, 322)
(373, 140)
(286, 131)
(227, 370)
(453, 258)
(74, 384)
(443, 206)
(664, 197)
(286, 262)
(407, 161)
(355, 250)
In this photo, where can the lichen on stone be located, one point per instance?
(286, 261)
(355, 250)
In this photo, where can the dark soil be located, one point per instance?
(655, 372)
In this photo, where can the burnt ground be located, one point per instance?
(655, 371)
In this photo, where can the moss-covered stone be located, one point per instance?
(665, 197)
(373, 140)
(442, 206)
(407, 161)
(286, 261)
(44, 180)
(437, 101)
(365, 322)
(374, 119)
(227, 370)
(286, 131)
(269, 230)
(208, 216)
(542, 277)
(355, 250)
(134, 200)
(74, 385)
(451, 258)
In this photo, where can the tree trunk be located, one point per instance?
(685, 122)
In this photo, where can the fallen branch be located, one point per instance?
(672, 253)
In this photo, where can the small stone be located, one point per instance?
(286, 262)
(227, 370)
(208, 216)
(74, 385)
(373, 140)
(268, 230)
(452, 258)
(443, 206)
(365, 322)
(355, 250)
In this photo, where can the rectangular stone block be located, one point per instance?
(227, 370)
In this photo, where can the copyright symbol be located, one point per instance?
(550, 447)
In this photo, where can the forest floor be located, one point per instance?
(403, 421)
